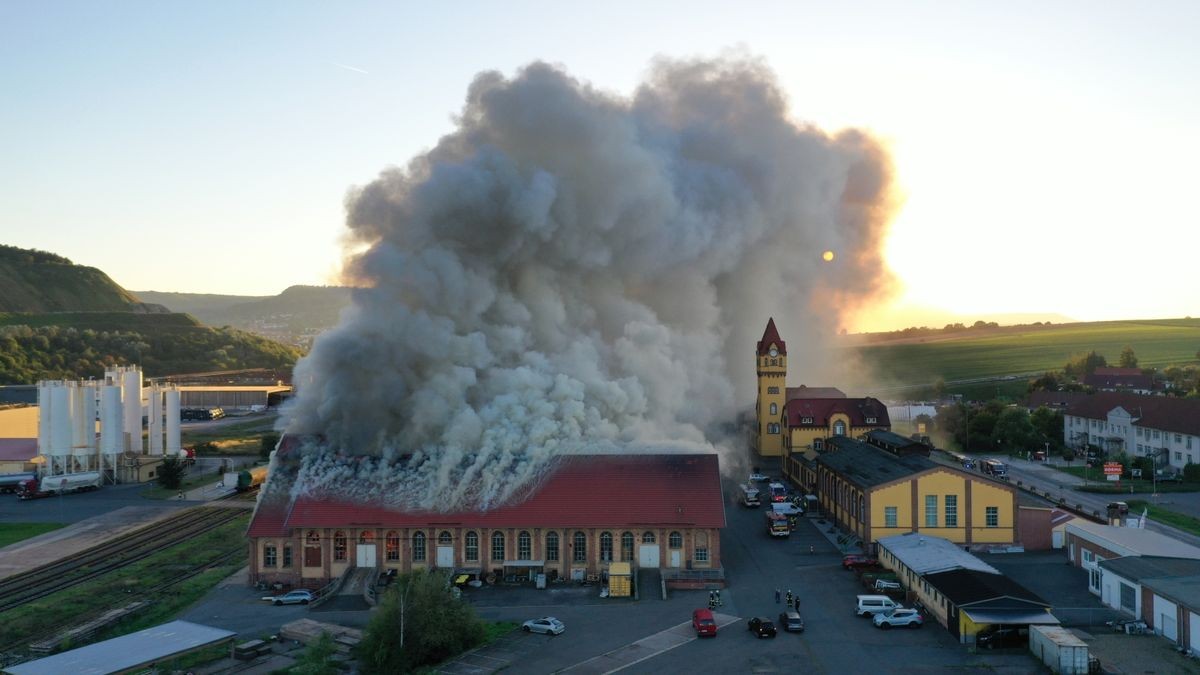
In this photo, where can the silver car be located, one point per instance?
(300, 597)
(898, 617)
(547, 624)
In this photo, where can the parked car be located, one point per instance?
(856, 560)
(791, 622)
(898, 617)
(787, 509)
(762, 628)
(300, 597)
(1001, 637)
(757, 477)
(703, 623)
(547, 624)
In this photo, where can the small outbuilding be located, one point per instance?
(129, 652)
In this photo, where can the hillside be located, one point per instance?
(995, 354)
(294, 316)
(36, 281)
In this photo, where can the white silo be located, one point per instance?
(171, 404)
(112, 421)
(155, 425)
(131, 382)
(44, 417)
(79, 421)
(61, 431)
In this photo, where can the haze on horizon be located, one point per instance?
(1043, 151)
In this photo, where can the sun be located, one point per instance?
(827, 256)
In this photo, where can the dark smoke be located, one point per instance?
(571, 270)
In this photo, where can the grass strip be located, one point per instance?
(45, 617)
(11, 533)
(1165, 516)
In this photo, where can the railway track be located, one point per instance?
(112, 555)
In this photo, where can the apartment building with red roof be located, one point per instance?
(1163, 427)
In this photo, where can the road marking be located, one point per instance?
(658, 643)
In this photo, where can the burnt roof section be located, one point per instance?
(771, 336)
(820, 410)
(1165, 413)
(970, 587)
(895, 443)
(868, 466)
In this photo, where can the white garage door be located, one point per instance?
(1165, 618)
(648, 555)
(445, 556)
(365, 555)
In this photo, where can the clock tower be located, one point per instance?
(770, 361)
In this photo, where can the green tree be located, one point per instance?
(1084, 364)
(939, 389)
(1191, 472)
(418, 623)
(952, 421)
(267, 444)
(1128, 358)
(1048, 424)
(1048, 381)
(1013, 432)
(979, 431)
(170, 473)
(317, 659)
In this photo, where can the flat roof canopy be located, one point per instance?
(524, 563)
(127, 652)
(1031, 617)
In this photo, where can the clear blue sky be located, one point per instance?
(1046, 149)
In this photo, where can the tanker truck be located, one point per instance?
(9, 482)
(61, 484)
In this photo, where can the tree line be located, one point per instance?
(29, 354)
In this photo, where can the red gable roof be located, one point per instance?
(18, 449)
(804, 391)
(1165, 413)
(671, 490)
(1117, 371)
(821, 409)
(771, 336)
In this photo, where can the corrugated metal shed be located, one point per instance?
(128, 651)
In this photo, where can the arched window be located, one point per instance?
(675, 540)
(339, 545)
(524, 546)
(472, 546)
(839, 428)
(498, 546)
(313, 538)
(648, 538)
(391, 543)
(774, 409)
(605, 546)
(579, 554)
(419, 547)
(552, 547)
(627, 547)
(366, 537)
(445, 539)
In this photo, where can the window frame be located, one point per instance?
(420, 546)
(579, 547)
(471, 546)
(951, 507)
(551, 547)
(498, 545)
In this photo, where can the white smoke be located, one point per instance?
(570, 268)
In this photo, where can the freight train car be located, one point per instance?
(9, 482)
(63, 484)
(251, 479)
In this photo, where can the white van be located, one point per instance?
(870, 605)
(749, 496)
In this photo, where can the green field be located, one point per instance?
(11, 533)
(1021, 350)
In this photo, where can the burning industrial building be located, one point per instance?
(572, 269)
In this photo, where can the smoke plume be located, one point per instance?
(570, 269)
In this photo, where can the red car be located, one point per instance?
(703, 623)
(856, 561)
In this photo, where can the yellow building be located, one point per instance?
(873, 493)
(800, 419)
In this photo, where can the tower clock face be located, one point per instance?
(774, 352)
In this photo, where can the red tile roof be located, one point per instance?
(821, 409)
(1119, 381)
(669, 490)
(1117, 371)
(804, 391)
(771, 335)
(17, 449)
(1165, 413)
